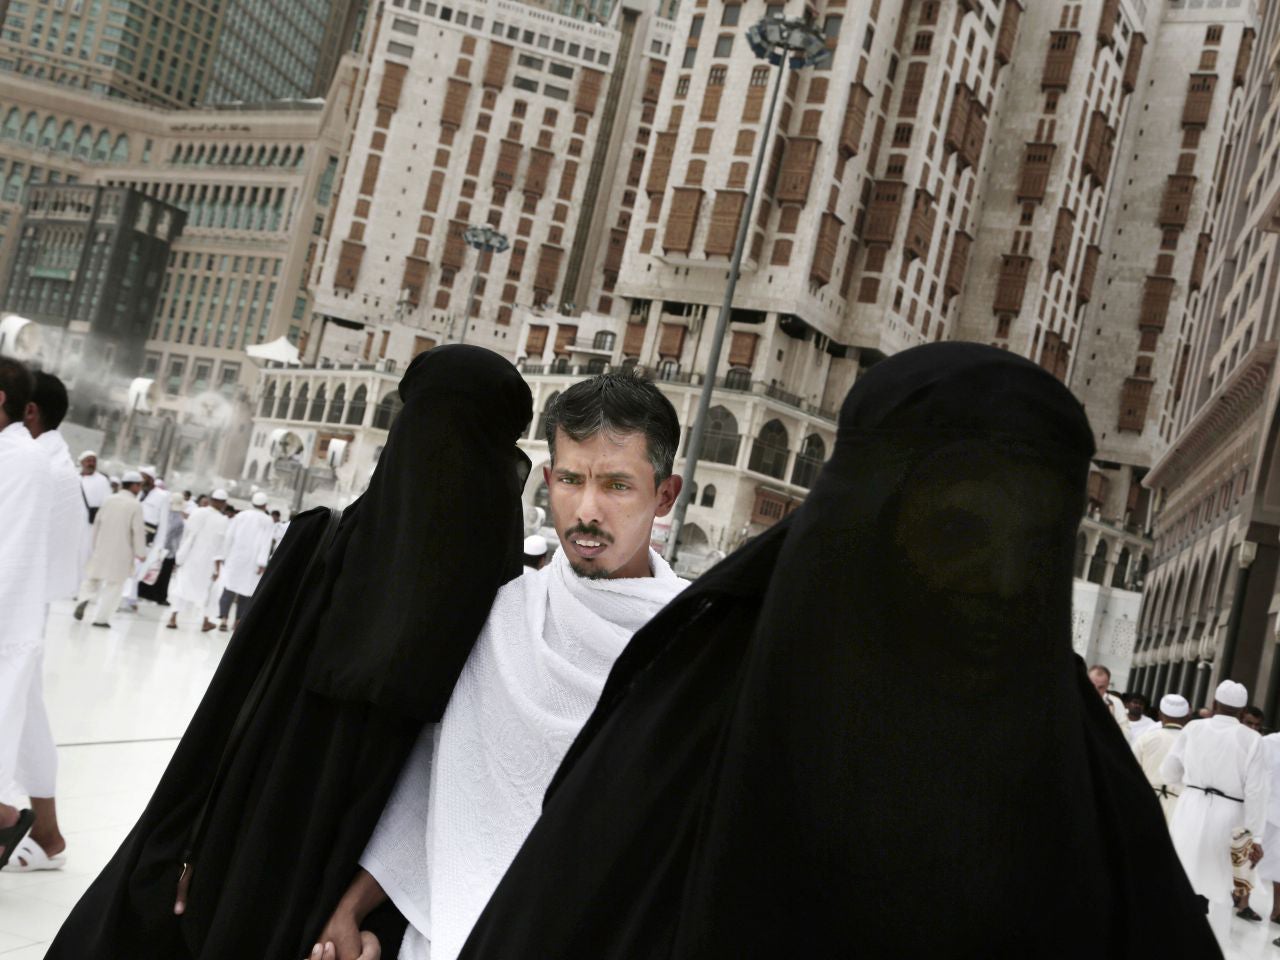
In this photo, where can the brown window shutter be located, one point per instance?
(548, 272)
(1156, 297)
(1199, 262)
(753, 105)
(392, 84)
(798, 160)
(1095, 160)
(1063, 231)
(920, 226)
(589, 84)
(1012, 286)
(504, 174)
(613, 255)
(742, 349)
(349, 261)
(455, 246)
(882, 215)
(370, 178)
(1037, 162)
(455, 102)
(959, 264)
(633, 340)
(682, 219)
(671, 341)
(958, 122)
(1175, 209)
(495, 70)
(824, 252)
(515, 262)
(913, 88)
(536, 342)
(711, 104)
(1135, 397)
(975, 135)
(1199, 104)
(1008, 34)
(653, 81)
(664, 148)
(1059, 60)
(1107, 23)
(568, 177)
(1133, 62)
(539, 172)
(855, 119)
(475, 156)
(1088, 273)
(725, 214)
(1243, 58)
(415, 275)
(566, 333)
(434, 188)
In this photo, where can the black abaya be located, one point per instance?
(374, 635)
(866, 734)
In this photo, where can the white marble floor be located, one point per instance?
(119, 700)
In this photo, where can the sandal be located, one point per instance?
(35, 858)
(10, 837)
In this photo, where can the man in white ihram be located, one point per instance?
(1218, 825)
(195, 566)
(96, 486)
(1152, 747)
(473, 787)
(245, 550)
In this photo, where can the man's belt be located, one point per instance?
(1165, 793)
(1214, 792)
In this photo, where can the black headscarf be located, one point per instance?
(373, 629)
(435, 525)
(895, 753)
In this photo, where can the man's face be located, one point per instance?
(89, 466)
(148, 482)
(603, 502)
(1100, 681)
(275, 515)
(1135, 709)
(202, 502)
(1251, 720)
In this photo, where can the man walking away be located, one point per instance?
(245, 552)
(1222, 811)
(196, 561)
(119, 542)
(1154, 745)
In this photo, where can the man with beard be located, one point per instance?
(472, 789)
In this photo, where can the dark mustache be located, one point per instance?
(594, 532)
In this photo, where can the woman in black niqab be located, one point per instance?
(372, 635)
(866, 733)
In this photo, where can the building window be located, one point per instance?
(724, 45)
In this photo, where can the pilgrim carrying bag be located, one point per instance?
(253, 700)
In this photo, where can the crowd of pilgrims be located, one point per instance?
(423, 742)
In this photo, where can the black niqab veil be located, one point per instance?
(866, 733)
(373, 635)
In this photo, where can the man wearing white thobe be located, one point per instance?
(119, 543)
(155, 518)
(196, 567)
(1223, 806)
(244, 557)
(1100, 677)
(1269, 867)
(1135, 705)
(24, 546)
(1150, 749)
(96, 486)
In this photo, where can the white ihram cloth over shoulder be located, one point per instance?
(473, 787)
(1269, 865)
(69, 528)
(201, 543)
(1224, 754)
(245, 549)
(24, 538)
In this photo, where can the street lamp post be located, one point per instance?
(482, 239)
(793, 43)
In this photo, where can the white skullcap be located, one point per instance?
(1232, 694)
(117, 479)
(218, 494)
(176, 501)
(149, 471)
(535, 546)
(86, 455)
(131, 476)
(1173, 705)
(259, 499)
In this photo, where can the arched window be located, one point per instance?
(84, 143)
(540, 431)
(388, 409)
(720, 441)
(12, 128)
(102, 147)
(1122, 570)
(560, 365)
(49, 133)
(739, 378)
(120, 149)
(282, 411)
(769, 451)
(67, 138)
(339, 402)
(604, 340)
(692, 535)
(300, 404)
(668, 369)
(31, 129)
(809, 461)
(268, 399)
(596, 365)
(253, 470)
(187, 457)
(1082, 544)
(709, 495)
(317, 405)
(359, 402)
(1098, 566)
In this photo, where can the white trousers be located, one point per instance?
(107, 593)
(27, 752)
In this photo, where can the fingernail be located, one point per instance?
(315, 952)
(178, 908)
